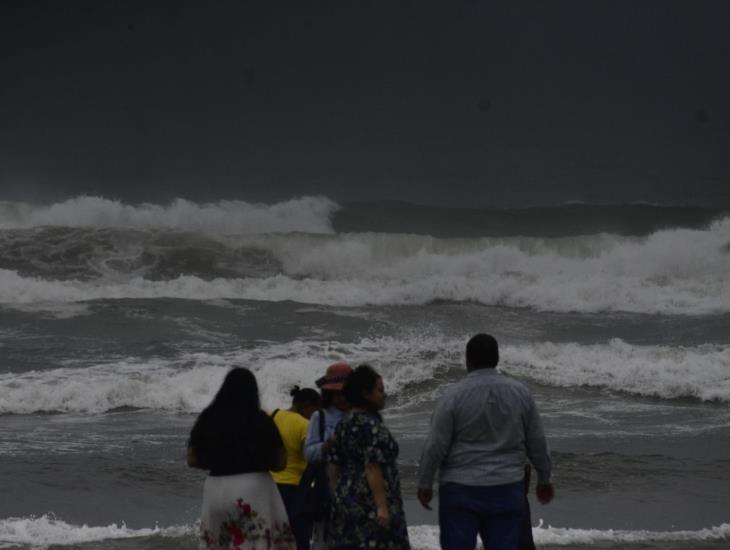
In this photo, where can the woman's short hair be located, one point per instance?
(304, 396)
(361, 381)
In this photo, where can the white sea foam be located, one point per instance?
(669, 272)
(426, 537)
(672, 271)
(188, 382)
(701, 372)
(308, 214)
(566, 536)
(44, 531)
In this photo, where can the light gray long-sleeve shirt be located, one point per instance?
(483, 431)
(313, 443)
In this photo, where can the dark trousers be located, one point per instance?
(526, 540)
(300, 526)
(496, 513)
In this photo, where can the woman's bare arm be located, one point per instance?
(333, 473)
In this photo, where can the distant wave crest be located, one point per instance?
(670, 272)
(287, 251)
(307, 214)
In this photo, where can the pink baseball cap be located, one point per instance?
(334, 377)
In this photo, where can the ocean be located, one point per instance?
(119, 321)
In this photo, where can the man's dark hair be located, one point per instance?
(359, 382)
(482, 352)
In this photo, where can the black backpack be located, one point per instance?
(314, 494)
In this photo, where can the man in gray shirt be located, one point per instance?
(483, 431)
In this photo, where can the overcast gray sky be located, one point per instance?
(458, 102)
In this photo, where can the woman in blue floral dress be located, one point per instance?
(367, 508)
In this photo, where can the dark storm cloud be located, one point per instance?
(428, 102)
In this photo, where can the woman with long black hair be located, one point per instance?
(239, 444)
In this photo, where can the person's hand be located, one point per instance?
(326, 446)
(383, 517)
(425, 496)
(545, 493)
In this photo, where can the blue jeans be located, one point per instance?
(494, 512)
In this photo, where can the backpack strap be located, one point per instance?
(321, 425)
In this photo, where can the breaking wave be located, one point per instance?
(288, 251)
(189, 382)
(44, 531)
(415, 368)
(307, 214)
(666, 372)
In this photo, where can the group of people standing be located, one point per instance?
(484, 431)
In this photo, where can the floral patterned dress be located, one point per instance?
(244, 512)
(242, 508)
(363, 439)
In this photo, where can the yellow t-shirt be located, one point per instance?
(293, 429)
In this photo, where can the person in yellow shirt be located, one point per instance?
(293, 424)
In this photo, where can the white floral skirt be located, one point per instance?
(245, 512)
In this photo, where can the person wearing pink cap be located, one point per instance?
(334, 409)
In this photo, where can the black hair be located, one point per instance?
(233, 407)
(482, 351)
(359, 382)
(235, 410)
(303, 396)
(239, 391)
